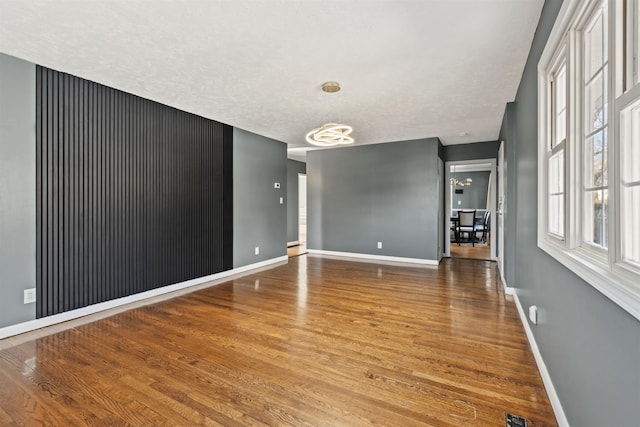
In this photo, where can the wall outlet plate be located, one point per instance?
(379, 245)
(257, 250)
(29, 295)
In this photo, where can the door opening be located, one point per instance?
(471, 188)
(501, 210)
(302, 209)
(301, 247)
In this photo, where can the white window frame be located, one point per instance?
(603, 269)
(554, 146)
(593, 250)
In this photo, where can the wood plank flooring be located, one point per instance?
(465, 250)
(315, 342)
(297, 250)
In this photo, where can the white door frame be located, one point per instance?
(500, 209)
(441, 211)
(302, 207)
(447, 203)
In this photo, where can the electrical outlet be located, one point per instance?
(533, 314)
(29, 295)
(276, 185)
(281, 200)
(257, 250)
(379, 245)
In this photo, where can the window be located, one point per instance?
(596, 139)
(589, 146)
(556, 194)
(630, 182)
(558, 96)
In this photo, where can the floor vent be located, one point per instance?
(515, 420)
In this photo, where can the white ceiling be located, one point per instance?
(408, 69)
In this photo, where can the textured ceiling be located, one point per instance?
(408, 69)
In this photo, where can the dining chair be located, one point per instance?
(466, 224)
(483, 227)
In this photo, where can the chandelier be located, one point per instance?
(455, 182)
(461, 183)
(330, 134)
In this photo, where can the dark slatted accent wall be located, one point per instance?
(132, 195)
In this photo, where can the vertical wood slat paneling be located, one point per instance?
(132, 195)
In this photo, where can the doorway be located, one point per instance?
(301, 247)
(500, 210)
(471, 187)
(302, 210)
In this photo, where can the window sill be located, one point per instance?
(618, 288)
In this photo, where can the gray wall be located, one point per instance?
(293, 169)
(473, 196)
(358, 196)
(17, 188)
(589, 344)
(509, 208)
(258, 217)
(472, 151)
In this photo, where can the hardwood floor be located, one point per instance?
(297, 250)
(465, 250)
(314, 342)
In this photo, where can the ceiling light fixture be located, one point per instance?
(455, 182)
(331, 87)
(330, 134)
(461, 183)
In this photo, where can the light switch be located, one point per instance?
(29, 295)
(281, 200)
(276, 185)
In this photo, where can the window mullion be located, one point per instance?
(633, 42)
(628, 30)
(573, 151)
(613, 171)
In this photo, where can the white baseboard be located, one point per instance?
(542, 368)
(372, 258)
(32, 325)
(294, 243)
(508, 290)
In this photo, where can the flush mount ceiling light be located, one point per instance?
(331, 87)
(330, 134)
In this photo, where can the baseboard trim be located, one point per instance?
(374, 258)
(508, 290)
(542, 368)
(218, 278)
(294, 243)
